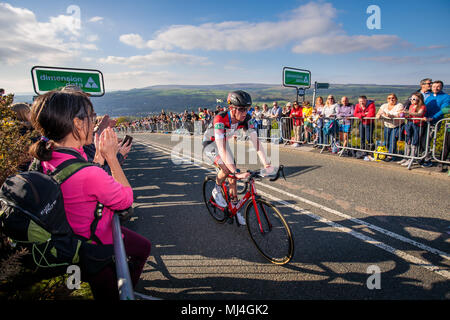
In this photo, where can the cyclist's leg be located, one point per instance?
(233, 188)
(223, 172)
(213, 158)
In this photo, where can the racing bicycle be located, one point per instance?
(268, 230)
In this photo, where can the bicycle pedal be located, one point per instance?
(230, 220)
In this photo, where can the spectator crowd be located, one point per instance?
(337, 125)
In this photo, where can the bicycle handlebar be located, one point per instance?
(257, 174)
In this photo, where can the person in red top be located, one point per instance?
(415, 129)
(297, 121)
(365, 109)
(215, 146)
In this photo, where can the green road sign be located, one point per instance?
(49, 78)
(322, 85)
(297, 78)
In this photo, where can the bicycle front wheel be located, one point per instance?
(241, 187)
(216, 213)
(269, 232)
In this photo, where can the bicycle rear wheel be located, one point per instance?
(272, 237)
(208, 185)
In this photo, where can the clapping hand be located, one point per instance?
(124, 149)
(108, 146)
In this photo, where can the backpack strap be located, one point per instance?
(98, 213)
(68, 168)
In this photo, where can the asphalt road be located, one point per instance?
(362, 230)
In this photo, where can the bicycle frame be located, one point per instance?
(233, 209)
(274, 239)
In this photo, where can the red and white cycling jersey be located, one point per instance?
(222, 128)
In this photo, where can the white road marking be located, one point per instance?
(399, 253)
(422, 246)
(364, 238)
(145, 297)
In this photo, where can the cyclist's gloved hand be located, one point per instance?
(269, 171)
(243, 175)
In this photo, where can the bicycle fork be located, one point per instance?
(257, 212)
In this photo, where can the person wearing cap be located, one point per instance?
(217, 150)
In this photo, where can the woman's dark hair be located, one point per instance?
(52, 115)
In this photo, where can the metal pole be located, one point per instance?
(124, 283)
(314, 94)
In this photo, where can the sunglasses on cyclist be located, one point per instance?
(241, 109)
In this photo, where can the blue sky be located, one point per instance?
(142, 43)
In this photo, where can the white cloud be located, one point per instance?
(138, 74)
(312, 19)
(131, 79)
(415, 60)
(156, 58)
(310, 28)
(337, 44)
(442, 60)
(430, 47)
(96, 19)
(92, 38)
(133, 40)
(82, 46)
(68, 25)
(394, 60)
(24, 38)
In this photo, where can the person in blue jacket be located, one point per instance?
(435, 104)
(436, 101)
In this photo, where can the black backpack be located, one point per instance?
(32, 214)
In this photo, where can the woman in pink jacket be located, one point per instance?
(66, 122)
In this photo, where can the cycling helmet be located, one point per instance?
(239, 98)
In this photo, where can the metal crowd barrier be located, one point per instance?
(282, 130)
(272, 131)
(373, 134)
(377, 137)
(288, 128)
(441, 132)
(124, 283)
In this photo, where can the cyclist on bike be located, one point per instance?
(216, 148)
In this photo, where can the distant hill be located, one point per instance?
(144, 101)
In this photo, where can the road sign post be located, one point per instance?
(299, 79)
(322, 85)
(50, 78)
(319, 85)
